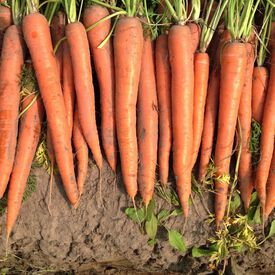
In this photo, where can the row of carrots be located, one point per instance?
(157, 94)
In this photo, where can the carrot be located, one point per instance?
(5, 22)
(81, 152)
(147, 128)
(128, 44)
(245, 116)
(163, 77)
(50, 150)
(195, 30)
(201, 71)
(211, 109)
(104, 66)
(211, 112)
(260, 73)
(28, 138)
(68, 86)
(259, 87)
(182, 69)
(37, 36)
(57, 32)
(271, 45)
(267, 137)
(12, 58)
(82, 72)
(270, 189)
(233, 70)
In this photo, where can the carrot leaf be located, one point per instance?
(264, 35)
(70, 9)
(151, 227)
(271, 230)
(209, 29)
(176, 240)
(137, 216)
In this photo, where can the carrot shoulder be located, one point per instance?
(182, 69)
(128, 44)
(147, 115)
(12, 59)
(233, 68)
(28, 138)
(163, 77)
(103, 59)
(38, 39)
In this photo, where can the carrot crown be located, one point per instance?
(265, 34)
(70, 9)
(32, 6)
(239, 19)
(179, 10)
(51, 9)
(209, 29)
(17, 8)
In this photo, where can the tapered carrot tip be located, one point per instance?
(8, 236)
(75, 206)
(185, 207)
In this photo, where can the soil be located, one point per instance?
(98, 238)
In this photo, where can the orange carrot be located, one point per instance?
(12, 58)
(201, 71)
(163, 77)
(267, 137)
(270, 189)
(210, 117)
(245, 116)
(271, 44)
(195, 30)
(50, 150)
(5, 21)
(37, 36)
(233, 70)
(182, 69)
(58, 32)
(28, 138)
(211, 109)
(81, 152)
(147, 128)
(259, 87)
(104, 65)
(128, 44)
(68, 86)
(82, 71)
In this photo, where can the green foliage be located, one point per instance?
(151, 227)
(254, 211)
(150, 219)
(255, 139)
(176, 240)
